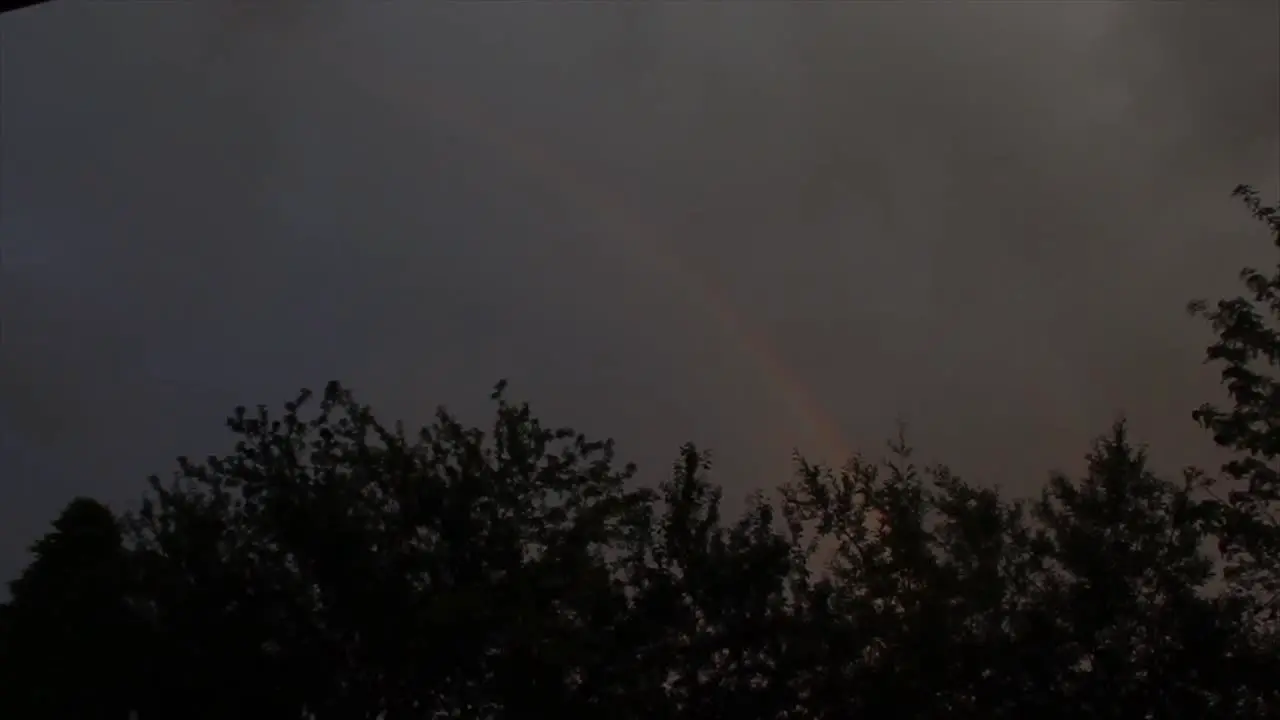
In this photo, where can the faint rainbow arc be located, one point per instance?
(611, 214)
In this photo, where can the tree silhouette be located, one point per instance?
(11, 5)
(1247, 350)
(66, 630)
(331, 566)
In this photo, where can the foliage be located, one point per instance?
(1247, 351)
(67, 618)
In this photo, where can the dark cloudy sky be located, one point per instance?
(756, 226)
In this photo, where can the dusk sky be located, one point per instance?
(757, 226)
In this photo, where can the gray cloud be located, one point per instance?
(983, 218)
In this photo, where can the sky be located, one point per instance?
(756, 226)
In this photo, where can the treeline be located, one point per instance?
(331, 566)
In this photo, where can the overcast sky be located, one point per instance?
(756, 226)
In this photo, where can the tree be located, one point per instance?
(11, 5)
(332, 566)
(1246, 350)
(66, 630)
(952, 601)
(358, 572)
(1129, 581)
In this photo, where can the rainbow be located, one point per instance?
(609, 213)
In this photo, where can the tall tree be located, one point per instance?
(66, 635)
(1129, 583)
(361, 572)
(1247, 352)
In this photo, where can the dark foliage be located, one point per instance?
(330, 566)
(12, 5)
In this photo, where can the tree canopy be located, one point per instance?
(11, 5)
(330, 565)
